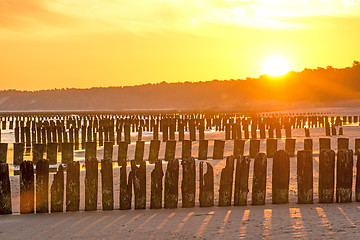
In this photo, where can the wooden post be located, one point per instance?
(3, 152)
(156, 185)
(73, 187)
(280, 177)
(67, 153)
(201, 132)
(18, 153)
(192, 132)
(290, 146)
(90, 150)
(357, 145)
(170, 149)
(139, 152)
(227, 131)
(305, 176)
(108, 150)
(343, 143)
(156, 132)
(254, 147)
(259, 179)
(38, 152)
(107, 184)
(271, 147)
(181, 132)
(357, 185)
(171, 193)
(341, 131)
(154, 151)
(278, 130)
(203, 150)
(239, 147)
(326, 176)
(57, 191)
(241, 181)
(206, 195)
(186, 149)
(218, 149)
(42, 186)
(188, 184)
(125, 187)
(91, 183)
(26, 187)
(5, 190)
(122, 152)
(333, 130)
(139, 183)
(327, 129)
(127, 133)
(308, 144)
(325, 143)
(262, 130)
(344, 173)
(307, 132)
(226, 183)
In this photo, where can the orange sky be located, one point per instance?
(47, 44)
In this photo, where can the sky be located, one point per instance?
(48, 44)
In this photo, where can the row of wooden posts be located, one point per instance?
(67, 149)
(136, 180)
(114, 128)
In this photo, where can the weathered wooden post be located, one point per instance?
(192, 131)
(57, 191)
(139, 152)
(226, 183)
(278, 130)
(18, 153)
(125, 187)
(91, 183)
(324, 143)
(107, 184)
(127, 133)
(67, 153)
(38, 152)
(73, 187)
(154, 151)
(171, 193)
(308, 144)
(5, 190)
(327, 129)
(262, 130)
(218, 149)
(241, 181)
(259, 179)
(26, 187)
(188, 184)
(357, 185)
(122, 152)
(326, 176)
(156, 185)
(181, 132)
(170, 149)
(271, 147)
(290, 146)
(201, 132)
(357, 145)
(42, 186)
(343, 143)
(341, 131)
(307, 132)
(288, 130)
(305, 176)
(203, 149)
(271, 131)
(239, 147)
(206, 187)
(108, 150)
(165, 130)
(344, 173)
(90, 150)
(139, 183)
(186, 149)
(280, 177)
(3, 152)
(254, 147)
(227, 131)
(333, 130)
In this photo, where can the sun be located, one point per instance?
(276, 66)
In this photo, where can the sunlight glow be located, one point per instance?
(276, 66)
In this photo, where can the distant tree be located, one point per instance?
(356, 64)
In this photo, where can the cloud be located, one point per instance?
(58, 17)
